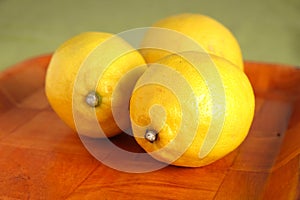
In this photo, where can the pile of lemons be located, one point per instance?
(183, 93)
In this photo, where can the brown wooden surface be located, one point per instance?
(41, 158)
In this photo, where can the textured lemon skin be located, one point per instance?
(63, 71)
(211, 36)
(237, 111)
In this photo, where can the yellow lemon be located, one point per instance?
(88, 76)
(191, 109)
(210, 35)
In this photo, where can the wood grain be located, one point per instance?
(41, 158)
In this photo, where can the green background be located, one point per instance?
(267, 31)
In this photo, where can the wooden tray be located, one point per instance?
(41, 158)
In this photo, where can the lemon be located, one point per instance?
(211, 36)
(191, 109)
(85, 79)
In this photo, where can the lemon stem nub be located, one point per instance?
(93, 99)
(151, 135)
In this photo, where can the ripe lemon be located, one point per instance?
(83, 79)
(211, 36)
(191, 109)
